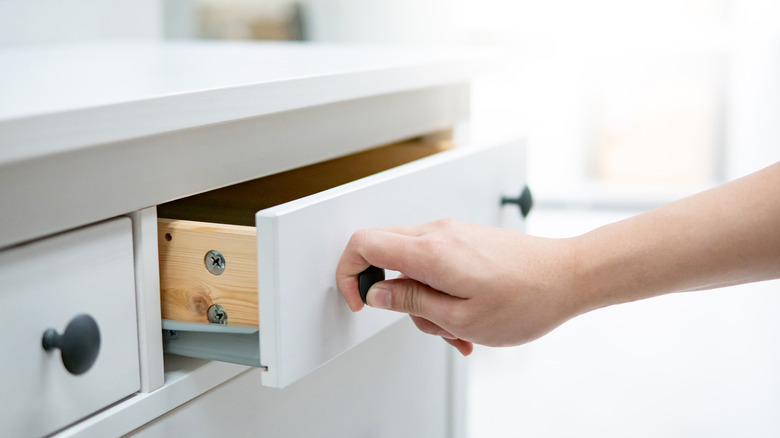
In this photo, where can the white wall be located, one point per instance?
(563, 53)
(381, 21)
(753, 131)
(25, 22)
(688, 365)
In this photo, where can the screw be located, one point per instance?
(217, 314)
(215, 262)
(173, 334)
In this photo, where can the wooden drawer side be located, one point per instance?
(188, 289)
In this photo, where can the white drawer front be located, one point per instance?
(303, 319)
(46, 284)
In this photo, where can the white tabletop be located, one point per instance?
(53, 99)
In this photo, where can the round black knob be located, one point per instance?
(367, 278)
(79, 343)
(525, 201)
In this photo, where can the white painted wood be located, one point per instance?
(147, 287)
(61, 98)
(185, 379)
(45, 284)
(97, 183)
(303, 320)
(96, 132)
(457, 394)
(394, 385)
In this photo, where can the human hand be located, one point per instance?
(466, 283)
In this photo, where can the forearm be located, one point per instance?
(724, 236)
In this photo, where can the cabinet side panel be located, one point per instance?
(394, 385)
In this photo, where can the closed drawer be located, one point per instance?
(46, 285)
(279, 240)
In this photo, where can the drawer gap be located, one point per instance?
(237, 204)
(239, 345)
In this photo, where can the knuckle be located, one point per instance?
(362, 242)
(434, 253)
(432, 246)
(425, 326)
(411, 300)
(445, 223)
(359, 238)
(459, 317)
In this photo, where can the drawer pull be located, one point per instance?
(78, 344)
(367, 278)
(525, 201)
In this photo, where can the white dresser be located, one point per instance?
(305, 144)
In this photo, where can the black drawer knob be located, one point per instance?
(525, 201)
(367, 278)
(78, 344)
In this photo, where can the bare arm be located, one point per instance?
(724, 236)
(470, 283)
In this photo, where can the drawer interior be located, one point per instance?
(237, 204)
(223, 220)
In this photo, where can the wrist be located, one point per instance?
(591, 278)
(571, 278)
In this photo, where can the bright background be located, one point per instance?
(626, 104)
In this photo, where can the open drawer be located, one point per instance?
(261, 256)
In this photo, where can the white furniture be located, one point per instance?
(93, 133)
(46, 284)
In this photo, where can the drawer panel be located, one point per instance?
(302, 320)
(45, 285)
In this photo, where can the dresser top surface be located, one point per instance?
(56, 98)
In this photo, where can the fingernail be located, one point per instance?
(378, 297)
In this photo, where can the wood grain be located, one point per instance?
(188, 289)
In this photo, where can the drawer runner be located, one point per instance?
(236, 344)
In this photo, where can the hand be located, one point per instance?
(470, 283)
(466, 283)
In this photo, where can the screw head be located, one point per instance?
(217, 314)
(215, 262)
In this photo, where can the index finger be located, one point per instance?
(378, 247)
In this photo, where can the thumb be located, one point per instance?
(412, 297)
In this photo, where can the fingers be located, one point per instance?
(398, 248)
(365, 248)
(430, 328)
(411, 230)
(464, 347)
(393, 248)
(417, 299)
